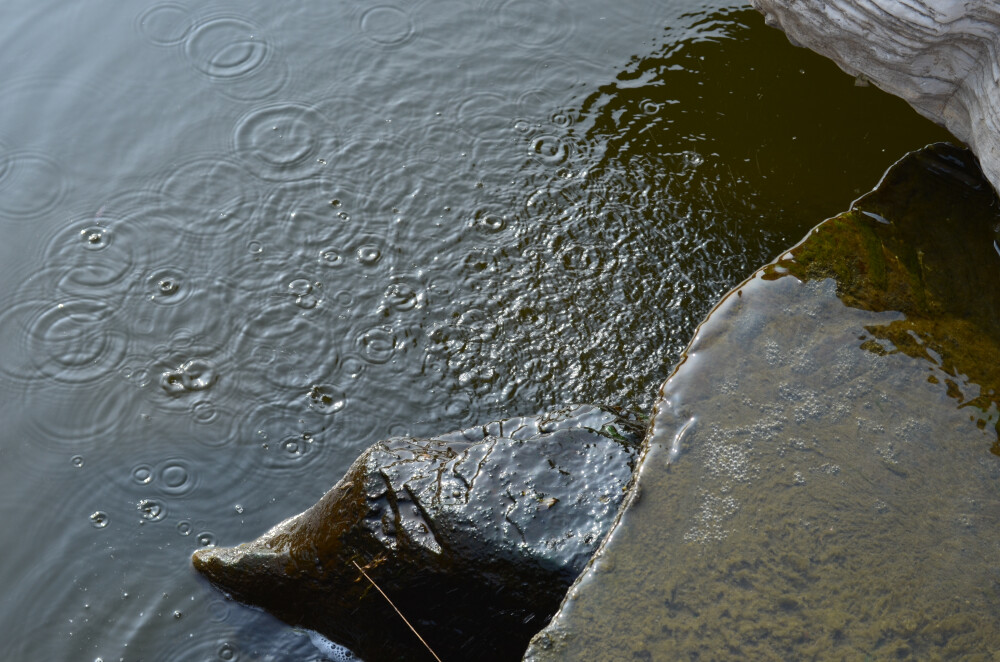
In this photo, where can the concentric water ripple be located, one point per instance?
(486, 114)
(207, 648)
(227, 47)
(234, 52)
(552, 77)
(165, 24)
(290, 438)
(210, 195)
(167, 286)
(211, 424)
(79, 421)
(438, 153)
(170, 477)
(285, 141)
(377, 345)
(31, 184)
(96, 257)
(388, 25)
(173, 305)
(533, 25)
(71, 342)
(282, 349)
(144, 223)
(305, 218)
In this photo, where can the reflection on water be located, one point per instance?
(241, 243)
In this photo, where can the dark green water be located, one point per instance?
(243, 241)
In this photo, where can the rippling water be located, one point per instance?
(243, 241)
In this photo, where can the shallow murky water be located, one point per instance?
(821, 478)
(243, 241)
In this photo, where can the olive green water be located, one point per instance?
(822, 479)
(242, 241)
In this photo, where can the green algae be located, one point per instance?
(899, 249)
(810, 489)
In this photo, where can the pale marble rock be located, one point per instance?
(941, 56)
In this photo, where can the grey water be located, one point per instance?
(243, 241)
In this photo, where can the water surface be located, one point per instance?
(821, 480)
(243, 241)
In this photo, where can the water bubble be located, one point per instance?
(167, 286)
(325, 399)
(99, 519)
(304, 293)
(402, 296)
(191, 376)
(206, 539)
(198, 374)
(522, 126)
(489, 222)
(142, 474)
(331, 257)
(255, 248)
(238, 508)
(95, 238)
(550, 150)
(344, 298)
(172, 382)
(184, 528)
(377, 345)
(369, 255)
(649, 107)
(152, 511)
(174, 477)
(562, 119)
(692, 159)
(227, 652)
(77, 461)
(387, 25)
(177, 614)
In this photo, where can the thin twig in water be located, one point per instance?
(412, 629)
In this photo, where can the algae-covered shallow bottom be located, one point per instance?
(812, 489)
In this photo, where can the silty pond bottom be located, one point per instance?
(244, 241)
(823, 474)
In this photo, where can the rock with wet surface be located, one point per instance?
(475, 536)
(941, 56)
(822, 478)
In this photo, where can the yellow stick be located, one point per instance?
(361, 570)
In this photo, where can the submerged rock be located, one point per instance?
(941, 56)
(475, 536)
(821, 478)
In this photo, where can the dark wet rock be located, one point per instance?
(475, 536)
(818, 481)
